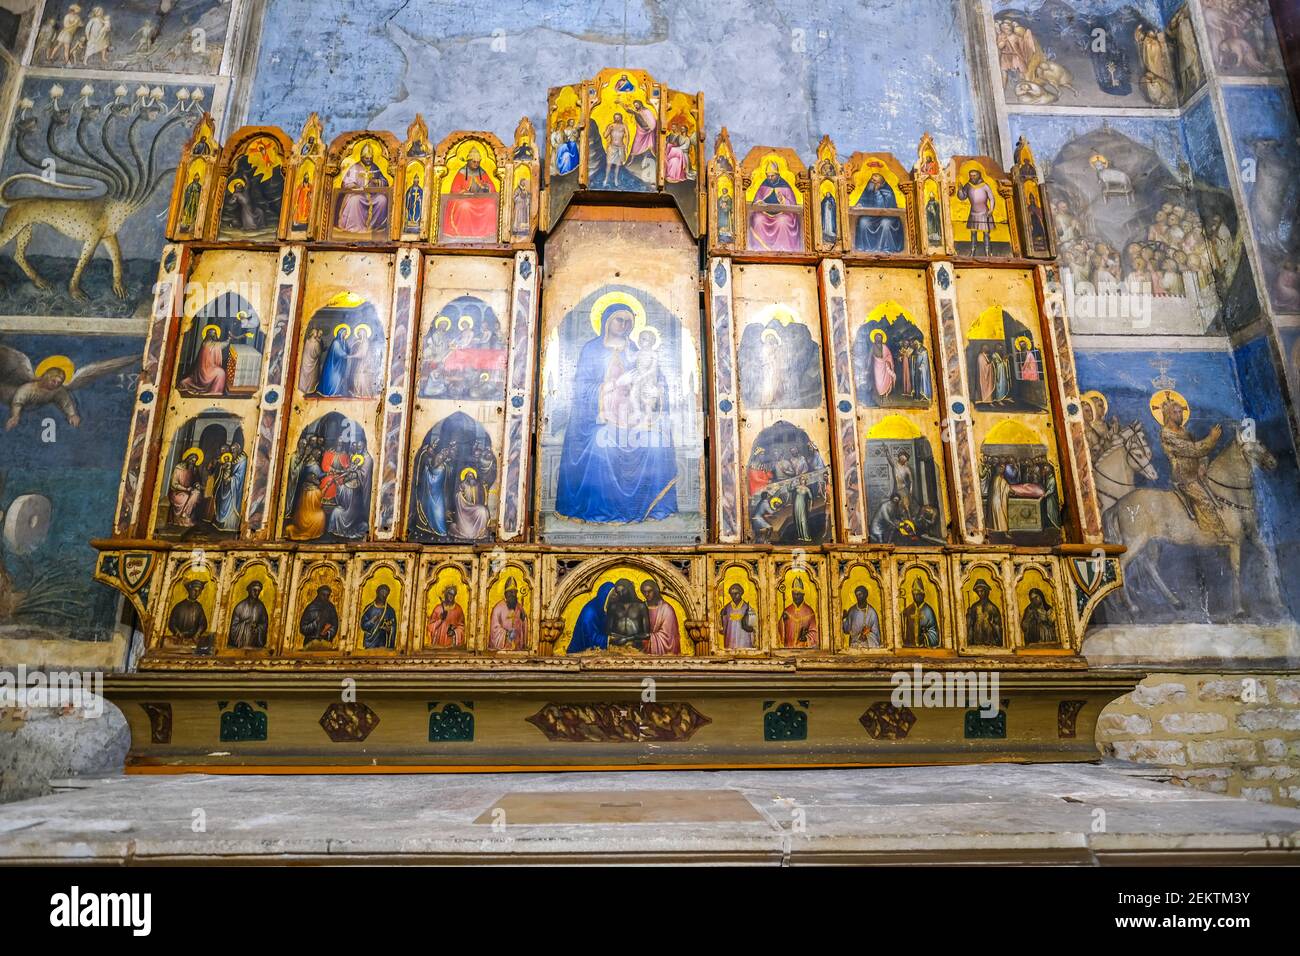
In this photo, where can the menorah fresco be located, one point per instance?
(376, 433)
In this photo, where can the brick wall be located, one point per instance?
(1232, 734)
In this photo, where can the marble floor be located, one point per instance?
(1044, 813)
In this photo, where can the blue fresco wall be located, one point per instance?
(781, 72)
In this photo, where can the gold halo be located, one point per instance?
(468, 471)
(230, 186)
(227, 456)
(196, 451)
(1162, 396)
(357, 459)
(877, 332)
(622, 298)
(1096, 396)
(1025, 339)
(216, 328)
(770, 335)
(465, 322)
(61, 362)
(360, 328)
(775, 501)
(438, 323)
(347, 330)
(907, 527)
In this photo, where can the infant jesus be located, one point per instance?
(643, 394)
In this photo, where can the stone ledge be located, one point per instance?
(1043, 813)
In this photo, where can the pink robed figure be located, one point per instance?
(778, 229)
(676, 164)
(882, 369)
(647, 126)
(208, 377)
(506, 628)
(665, 637)
(1029, 367)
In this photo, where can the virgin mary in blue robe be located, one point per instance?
(589, 628)
(878, 233)
(606, 473)
(333, 376)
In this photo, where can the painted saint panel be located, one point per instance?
(775, 207)
(979, 210)
(621, 435)
(1019, 470)
(329, 469)
(469, 206)
(784, 435)
(361, 201)
(459, 400)
(878, 210)
(897, 406)
(627, 610)
(623, 132)
(252, 190)
(211, 421)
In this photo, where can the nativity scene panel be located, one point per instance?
(460, 398)
(329, 459)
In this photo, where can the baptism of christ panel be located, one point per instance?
(212, 413)
(460, 386)
(620, 444)
(329, 460)
(897, 407)
(1002, 346)
(784, 436)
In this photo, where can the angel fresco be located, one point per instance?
(52, 382)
